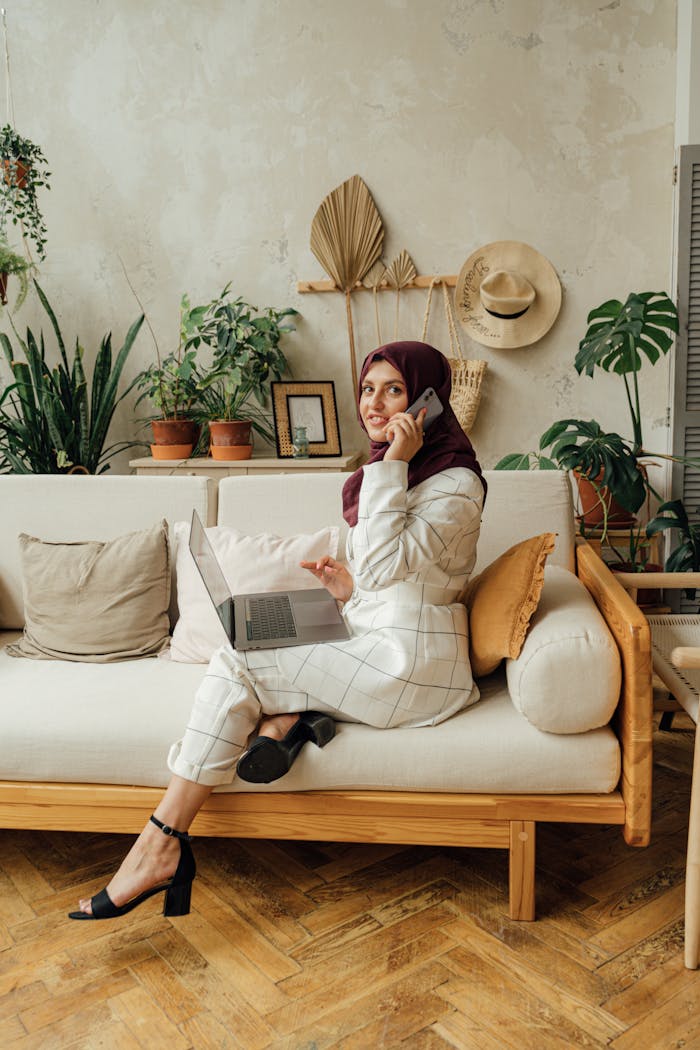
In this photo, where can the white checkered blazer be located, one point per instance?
(411, 553)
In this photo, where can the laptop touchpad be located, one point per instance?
(313, 614)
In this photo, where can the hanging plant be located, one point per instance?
(12, 264)
(24, 170)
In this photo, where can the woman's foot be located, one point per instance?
(277, 726)
(151, 861)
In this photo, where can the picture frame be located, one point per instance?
(312, 405)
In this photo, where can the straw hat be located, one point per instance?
(507, 295)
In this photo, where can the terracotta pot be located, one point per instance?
(171, 451)
(230, 439)
(173, 438)
(230, 452)
(645, 595)
(15, 174)
(595, 501)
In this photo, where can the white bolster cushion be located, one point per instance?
(567, 678)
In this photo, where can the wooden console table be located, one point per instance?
(204, 466)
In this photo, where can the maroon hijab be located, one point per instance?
(445, 445)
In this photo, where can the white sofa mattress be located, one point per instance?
(113, 724)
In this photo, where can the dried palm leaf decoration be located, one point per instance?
(372, 279)
(399, 274)
(346, 238)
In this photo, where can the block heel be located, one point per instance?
(177, 890)
(321, 727)
(177, 899)
(268, 759)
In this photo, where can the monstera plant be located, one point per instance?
(609, 468)
(620, 336)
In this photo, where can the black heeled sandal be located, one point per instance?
(177, 890)
(268, 759)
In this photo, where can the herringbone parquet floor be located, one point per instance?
(303, 946)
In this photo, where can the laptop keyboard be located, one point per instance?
(269, 618)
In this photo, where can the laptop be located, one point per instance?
(270, 619)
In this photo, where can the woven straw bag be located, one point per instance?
(467, 375)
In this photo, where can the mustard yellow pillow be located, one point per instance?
(501, 600)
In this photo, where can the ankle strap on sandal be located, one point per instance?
(167, 830)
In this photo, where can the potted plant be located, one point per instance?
(246, 356)
(52, 421)
(685, 554)
(633, 555)
(24, 171)
(12, 264)
(612, 488)
(171, 383)
(607, 466)
(619, 337)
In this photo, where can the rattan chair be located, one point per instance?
(676, 660)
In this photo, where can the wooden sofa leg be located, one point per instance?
(522, 870)
(692, 871)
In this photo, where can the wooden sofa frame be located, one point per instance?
(418, 818)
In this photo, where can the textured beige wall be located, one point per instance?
(196, 140)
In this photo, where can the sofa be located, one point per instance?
(84, 744)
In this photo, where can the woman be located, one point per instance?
(414, 511)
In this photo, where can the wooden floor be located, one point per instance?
(302, 946)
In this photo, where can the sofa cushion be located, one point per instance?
(250, 564)
(66, 508)
(284, 504)
(567, 677)
(96, 601)
(76, 737)
(522, 503)
(501, 600)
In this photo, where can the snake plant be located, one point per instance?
(52, 418)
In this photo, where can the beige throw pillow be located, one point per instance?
(95, 601)
(250, 563)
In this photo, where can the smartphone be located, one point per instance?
(431, 402)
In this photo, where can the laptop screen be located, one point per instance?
(210, 571)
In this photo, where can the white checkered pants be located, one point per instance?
(237, 689)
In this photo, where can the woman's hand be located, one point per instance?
(406, 435)
(334, 576)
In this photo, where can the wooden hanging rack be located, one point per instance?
(422, 281)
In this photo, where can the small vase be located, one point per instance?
(300, 443)
(230, 439)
